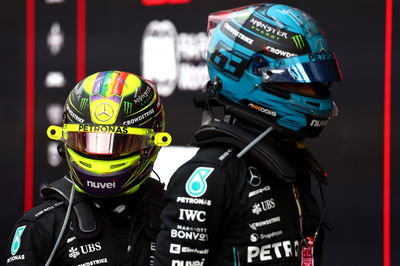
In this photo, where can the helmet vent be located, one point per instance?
(117, 165)
(86, 164)
(314, 104)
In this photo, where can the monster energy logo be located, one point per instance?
(127, 107)
(84, 102)
(298, 40)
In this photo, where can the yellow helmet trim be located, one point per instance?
(102, 166)
(157, 139)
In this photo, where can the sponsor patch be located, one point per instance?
(259, 191)
(178, 249)
(255, 225)
(263, 206)
(16, 243)
(196, 185)
(192, 215)
(274, 251)
(254, 237)
(255, 178)
(95, 262)
(45, 210)
(15, 258)
(196, 201)
(187, 262)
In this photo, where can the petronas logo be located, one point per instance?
(16, 243)
(127, 108)
(84, 102)
(298, 40)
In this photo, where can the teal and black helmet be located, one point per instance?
(254, 51)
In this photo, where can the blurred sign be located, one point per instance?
(173, 59)
(55, 38)
(164, 2)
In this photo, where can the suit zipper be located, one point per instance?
(129, 248)
(299, 209)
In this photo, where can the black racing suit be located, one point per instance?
(220, 210)
(125, 234)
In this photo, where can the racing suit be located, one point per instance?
(224, 210)
(125, 231)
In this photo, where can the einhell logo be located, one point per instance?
(108, 185)
(164, 2)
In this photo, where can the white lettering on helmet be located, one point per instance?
(107, 185)
(138, 118)
(268, 28)
(279, 52)
(318, 123)
(238, 34)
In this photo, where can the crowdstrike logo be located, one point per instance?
(255, 225)
(277, 51)
(238, 34)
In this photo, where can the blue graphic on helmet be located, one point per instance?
(257, 45)
(196, 185)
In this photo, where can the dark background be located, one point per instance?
(350, 148)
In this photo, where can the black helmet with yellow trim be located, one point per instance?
(113, 128)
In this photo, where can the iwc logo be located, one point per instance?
(104, 112)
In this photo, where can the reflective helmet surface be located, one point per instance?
(112, 129)
(255, 50)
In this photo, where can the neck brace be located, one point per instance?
(280, 161)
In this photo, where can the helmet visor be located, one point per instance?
(106, 139)
(294, 70)
(106, 143)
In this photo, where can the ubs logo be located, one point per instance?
(104, 112)
(85, 249)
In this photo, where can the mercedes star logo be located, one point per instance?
(104, 112)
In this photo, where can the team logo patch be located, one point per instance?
(16, 243)
(104, 112)
(196, 185)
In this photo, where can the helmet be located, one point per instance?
(112, 130)
(256, 51)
